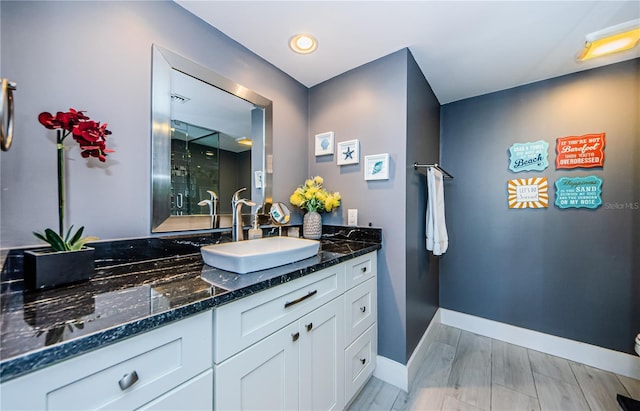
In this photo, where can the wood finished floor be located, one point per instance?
(468, 372)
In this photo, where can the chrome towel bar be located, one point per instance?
(436, 166)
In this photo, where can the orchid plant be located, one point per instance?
(91, 136)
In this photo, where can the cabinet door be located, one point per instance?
(195, 394)
(262, 377)
(321, 357)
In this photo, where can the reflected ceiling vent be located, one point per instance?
(177, 98)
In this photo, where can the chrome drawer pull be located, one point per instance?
(363, 360)
(295, 336)
(128, 380)
(299, 300)
(309, 326)
(363, 309)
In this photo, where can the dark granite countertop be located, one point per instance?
(138, 285)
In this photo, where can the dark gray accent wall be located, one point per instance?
(572, 273)
(96, 56)
(423, 146)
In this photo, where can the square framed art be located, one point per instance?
(376, 167)
(324, 143)
(348, 152)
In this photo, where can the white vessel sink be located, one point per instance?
(255, 255)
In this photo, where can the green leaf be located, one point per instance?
(81, 242)
(77, 236)
(55, 240)
(66, 237)
(40, 237)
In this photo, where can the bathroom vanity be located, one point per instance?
(157, 329)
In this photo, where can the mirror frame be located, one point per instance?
(163, 61)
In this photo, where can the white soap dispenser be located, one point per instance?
(255, 231)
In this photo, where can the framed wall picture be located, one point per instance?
(376, 167)
(324, 143)
(348, 152)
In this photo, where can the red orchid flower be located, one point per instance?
(89, 134)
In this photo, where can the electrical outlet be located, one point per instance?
(352, 216)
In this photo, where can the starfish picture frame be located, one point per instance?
(348, 152)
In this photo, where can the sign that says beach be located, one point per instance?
(577, 192)
(580, 151)
(529, 156)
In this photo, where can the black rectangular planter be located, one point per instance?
(45, 268)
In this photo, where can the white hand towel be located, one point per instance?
(436, 229)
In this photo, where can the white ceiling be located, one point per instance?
(464, 48)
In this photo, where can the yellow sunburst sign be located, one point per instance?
(528, 193)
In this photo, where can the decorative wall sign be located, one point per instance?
(529, 156)
(348, 152)
(324, 143)
(580, 151)
(528, 193)
(577, 192)
(376, 167)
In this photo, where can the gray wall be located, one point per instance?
(389, 107)
(423, 146)
(96, 56)
(369, 104)
(573, 273)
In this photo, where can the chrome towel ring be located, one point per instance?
(6, 113)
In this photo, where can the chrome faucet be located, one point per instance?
(236, 206)
(212, 203)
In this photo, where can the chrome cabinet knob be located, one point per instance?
(128, 380)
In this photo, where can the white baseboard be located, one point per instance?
(392, 372)
(598, 357)
(401, 375)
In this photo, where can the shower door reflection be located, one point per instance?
(199, 156)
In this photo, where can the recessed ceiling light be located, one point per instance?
(303, 43)
(610, 40)
(244, 141)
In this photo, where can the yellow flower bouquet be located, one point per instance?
(311, 196)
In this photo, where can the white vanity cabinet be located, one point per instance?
(292, 346)
(153, 370)
(307, 344)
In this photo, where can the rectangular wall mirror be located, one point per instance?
(210, 137)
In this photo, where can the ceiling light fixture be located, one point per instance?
(621, 37)
(244, 141)
(303, 43)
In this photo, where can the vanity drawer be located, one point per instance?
(360, 309)
(360, 269)
(244, 322)
(161, 359)
(360, 360)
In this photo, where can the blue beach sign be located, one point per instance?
(529, 156)
(579, 192)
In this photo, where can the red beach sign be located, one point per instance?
(585, 151)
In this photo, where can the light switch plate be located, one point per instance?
(258, 178)
(352, 216)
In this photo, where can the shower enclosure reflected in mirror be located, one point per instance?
(210, 137)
